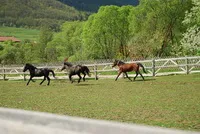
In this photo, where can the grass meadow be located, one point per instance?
(167, 101)
(20, 33)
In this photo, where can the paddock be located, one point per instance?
(162, 101)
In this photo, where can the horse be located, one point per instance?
(76, 70)
(36, 72)
(128, 67)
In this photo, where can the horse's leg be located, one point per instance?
(118, 75)
(141, 75)
(70, 78)
(29, 80)
(79, 77)
(48, 80)
(127, 76)
(136, 74)
(43, 80)
(84, 76)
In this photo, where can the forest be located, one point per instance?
(37, 13)
(152, 29)
(93, 6)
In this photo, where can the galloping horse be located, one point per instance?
(35, 72)
(76, 70)
(128, 67)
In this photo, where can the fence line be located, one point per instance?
(154, 67)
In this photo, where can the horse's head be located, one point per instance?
(27, 67)
(115, 63)
(66, 65)
(63, 67)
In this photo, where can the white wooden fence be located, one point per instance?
(154, 67)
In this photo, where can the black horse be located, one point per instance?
(35, 72)
(76, 70)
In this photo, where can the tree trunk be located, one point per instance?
(167, 38)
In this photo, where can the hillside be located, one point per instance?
(92, 5)
(34, 13)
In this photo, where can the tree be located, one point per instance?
(8, 53)
(191, 38)
(45, 36)
(68, 42)
(106, 33)
(157, 25)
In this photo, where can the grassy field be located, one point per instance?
(168, 101)
(20, 33)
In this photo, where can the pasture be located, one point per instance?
(167, 101)
(20, 33)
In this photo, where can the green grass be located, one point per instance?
(168, 101)
(20, 33)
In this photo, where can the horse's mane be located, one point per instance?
(120, 62)
(30, 65)
(68, 64)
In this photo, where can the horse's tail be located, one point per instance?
(140, 64)
(52, 73)
(86, 69)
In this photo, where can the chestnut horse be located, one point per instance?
(128, 67)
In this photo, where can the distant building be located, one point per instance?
(13, 39)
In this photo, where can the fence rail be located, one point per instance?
(46, 123)
(154, 67)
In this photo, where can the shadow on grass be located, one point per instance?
(85, 84)
(140, 80)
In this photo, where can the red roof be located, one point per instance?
(2, 39)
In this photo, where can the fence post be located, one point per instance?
(187, 65)
(95, 72)
(153, 67)
(4, 73)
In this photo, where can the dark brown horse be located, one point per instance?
(128, 67)
(76, 70)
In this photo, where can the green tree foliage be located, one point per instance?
(191, 39)
(106, 33)
(9, 53)
(29, 52)
(68, 42)
(153, 28)
(46, 35)
(18, 53)
(156, 25)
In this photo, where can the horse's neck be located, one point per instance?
(68, 64)
(120, 63)
(32, 69)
